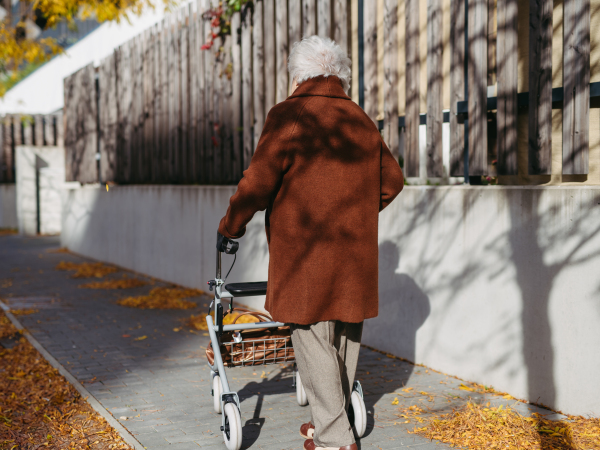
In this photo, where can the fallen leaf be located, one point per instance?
(141, 338)
(395, 402)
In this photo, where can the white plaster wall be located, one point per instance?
(50, 161)
(8, 206)
(493, 284)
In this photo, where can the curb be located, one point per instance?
(95, 404)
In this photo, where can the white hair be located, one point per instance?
(316, 56)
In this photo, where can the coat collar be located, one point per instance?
(321, 86)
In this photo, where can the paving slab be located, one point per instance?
(159, 386)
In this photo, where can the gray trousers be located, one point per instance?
(326, 355)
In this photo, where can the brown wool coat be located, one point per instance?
(323, 173)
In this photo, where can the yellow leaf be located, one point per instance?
(395, 402)
(141, 338)
(407, 389)
(176, 330)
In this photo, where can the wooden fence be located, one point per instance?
(18, 129)
(166, 111)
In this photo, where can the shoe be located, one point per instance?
(307, 430)
(309, 444)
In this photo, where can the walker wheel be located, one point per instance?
(232, 432)
(217, 391)
(357, 414)
(300, 392)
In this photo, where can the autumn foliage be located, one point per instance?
(18, 50)
(477, 426)
(163, 298)
(40, 409)
(86, 270)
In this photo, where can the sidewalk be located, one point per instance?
(159, 388)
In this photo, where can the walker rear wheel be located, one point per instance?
(232, 431)
(357, 414)
(300, 392)
(217, 391)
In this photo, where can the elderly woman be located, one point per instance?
(322, 173)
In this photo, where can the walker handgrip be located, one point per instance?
(222, 242)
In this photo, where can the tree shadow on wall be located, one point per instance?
(403, 308)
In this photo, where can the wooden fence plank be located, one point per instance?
(7, 169)
(148, 107)
(186, 164)
(236, 98)
(540, 87)
(124, 108)
(258, 65)
(491, 40)
(477, 87)
(107, 83)
(49, 135)
(156, 105)
(507, 71)
(457, 86)
(3, 159)
(194, 45)
(281, 38)
(309, 23)
(435, 116)
(227, 116)
(38, 130)
(17, 127)
(201, 106)
(135, 112)
(413, 91)
(294, 28)
(138, 105)
(324, 18)
(269, 48)
(173, 68)
(209, 152)
(163, 105)
(81, 132)
(217, 117)
(390, 67)
(59, 129)
(370, 60)
(340, 23)
(27, 130)
(576, 82)
(247, 94)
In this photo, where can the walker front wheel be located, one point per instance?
(232, 431)
(300, 392)
(217, 391)
(358, 415)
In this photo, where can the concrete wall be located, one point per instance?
(492, 284)
(50, 163)
(8, 206)
(168, 232)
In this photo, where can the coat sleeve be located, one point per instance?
(392, 179)
(260, 181)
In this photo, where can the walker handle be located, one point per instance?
(222, 243)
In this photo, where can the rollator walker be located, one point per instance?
(265, 350)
